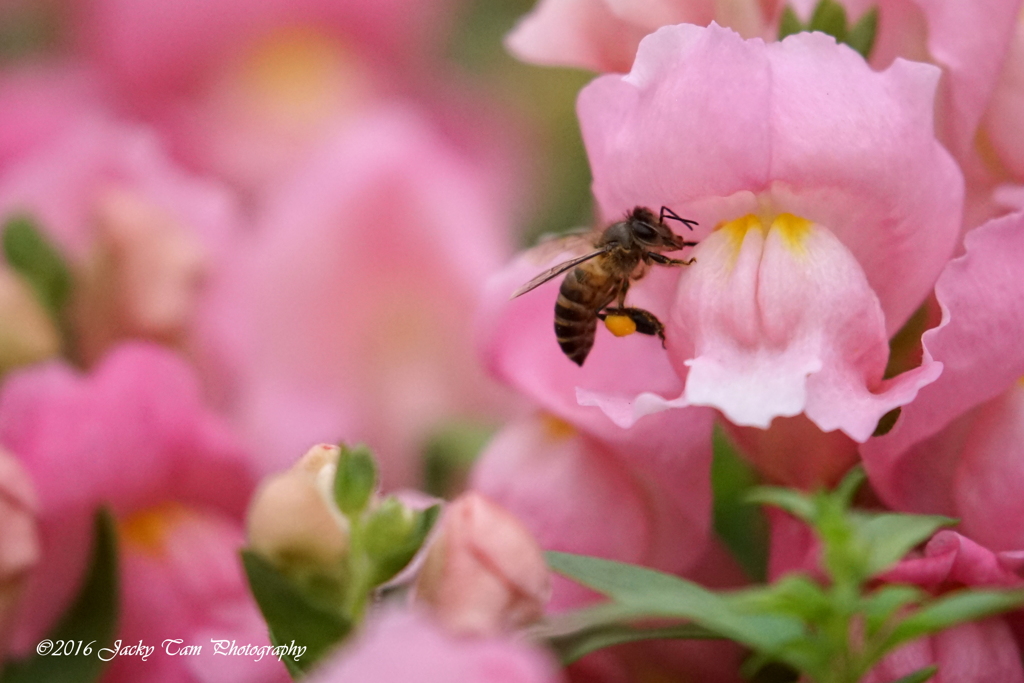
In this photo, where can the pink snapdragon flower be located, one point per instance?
(826, 213)
(133, 435)
(138, 232)
(345, 314)
(399, 646)
(956, 449)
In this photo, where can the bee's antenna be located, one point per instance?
(669, 213)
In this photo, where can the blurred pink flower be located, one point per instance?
(19, 542)
(134, 435)
(603, 35)
(955, 449)
(138, 232)
(484, 573)
(346, 314)
(397, 647)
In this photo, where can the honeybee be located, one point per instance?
(622, 253)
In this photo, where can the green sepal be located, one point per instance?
(291, 613)
(31, 254)
(789, 23)
(742, 526)
(92, 618)
(919, 676)
(861, 37)
(393, 535)
(355, 480)
(829, 17)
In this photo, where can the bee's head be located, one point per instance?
(650, 232)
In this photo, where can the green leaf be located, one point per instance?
(861, 37)
(800, 505)
(92, 619)
(356, 479)
(741, 525)
(394, 534)
(795, 595)
(951, 610)
(884, 603)
(571, 647)
(919, 676)
(291, 615)
(829, 17)
(789, 23)
(889, 536)
(654, 594)
(29, 252)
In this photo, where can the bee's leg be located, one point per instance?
(669, 213)
(645, 321)
(663, 260)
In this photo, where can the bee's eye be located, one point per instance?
(644, 232)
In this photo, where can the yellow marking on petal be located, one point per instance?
(620, 325)
(147, 529)
(794, 231)
(736, 230)
(556, 428)
(298, 72)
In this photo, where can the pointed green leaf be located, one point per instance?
(91, 619)
(29, 252)
(571, 647)
(796, 595)
(800, 505)
(861, 37)
(829, 17)
(355, 480)
(886, 602)
(919, 676)
(889, 536)
(741, 525)
(789, 23)
(951, 610)
(291, 615)
(655, 594)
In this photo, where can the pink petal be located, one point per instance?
(977, 345)
(771, 329)
(705, 118)
(639, 501)
(430, 655)
(953, 560)
(1006, 108)
(188, 585)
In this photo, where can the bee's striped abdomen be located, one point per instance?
(584, 292)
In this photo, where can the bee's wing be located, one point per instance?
(556, 271)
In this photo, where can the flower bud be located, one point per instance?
(485, 572)
(27, 334)
(293, 521)
(19, 543)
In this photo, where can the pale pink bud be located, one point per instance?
(19, 543)
(484, 573)
(293, 520)
(142, 277)
(27, 334)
